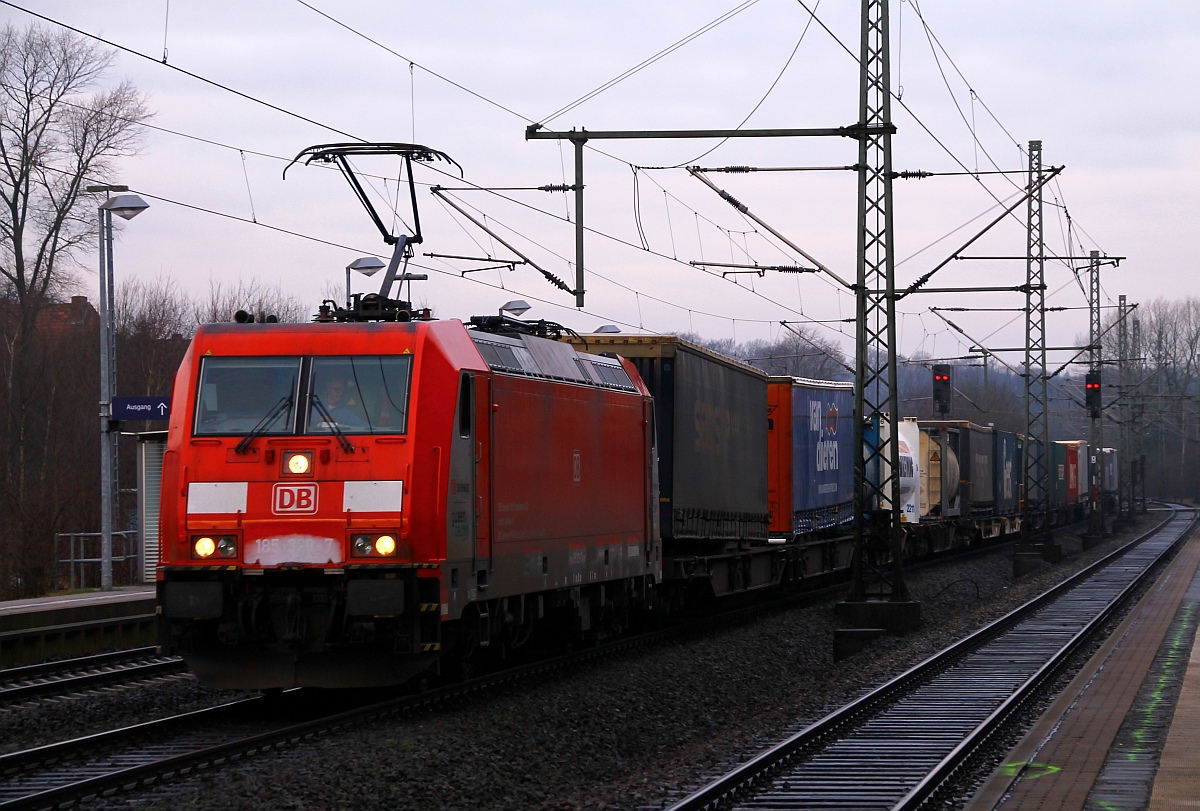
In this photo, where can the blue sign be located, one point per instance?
(141, 408)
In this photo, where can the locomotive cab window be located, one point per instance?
(361, 394)
(239, 394)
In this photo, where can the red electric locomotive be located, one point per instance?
(350, 502)
(343, 502)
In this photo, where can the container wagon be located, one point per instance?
(810, 430)
(710, 415)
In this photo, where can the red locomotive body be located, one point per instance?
(344, 503)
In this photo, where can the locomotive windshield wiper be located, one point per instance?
(332, 423)
(285, 402)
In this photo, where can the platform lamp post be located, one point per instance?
(125, 206)
(367, 266)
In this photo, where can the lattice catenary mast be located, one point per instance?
(1037, 414)
(877, 532)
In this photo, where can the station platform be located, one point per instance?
(75, 624)
(1125, 733)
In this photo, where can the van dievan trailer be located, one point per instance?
(810, 429)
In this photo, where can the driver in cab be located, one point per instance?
(337, 396)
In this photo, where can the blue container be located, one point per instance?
(1007, 474)
(822, 454)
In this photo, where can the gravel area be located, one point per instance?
(38, 722)
(635, 731)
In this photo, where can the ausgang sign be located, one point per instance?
(141, 408)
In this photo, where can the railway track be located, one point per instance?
(127, 759)
(64, 773)
(895, 746)
(85, 673)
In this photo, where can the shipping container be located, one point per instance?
(1109, 467)
(1007, 472)
(811, 428)
(780, 467)
(940, 478)
(1075, 470)
(1058, 474)
(710, 416)
(973, 446)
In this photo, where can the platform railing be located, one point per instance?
(77, 559)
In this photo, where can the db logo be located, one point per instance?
(294, 499)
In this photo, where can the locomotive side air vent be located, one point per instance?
(499, 357)
(526, 355)
(614, 376)
(506, 358)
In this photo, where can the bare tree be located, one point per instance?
(154, 322)
(59, 131)
(799, 352)
(1170, 389)
(254, 298)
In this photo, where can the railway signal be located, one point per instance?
(1091, 387)
(943, 388)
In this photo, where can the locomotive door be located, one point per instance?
(461, 514)
(483, 472)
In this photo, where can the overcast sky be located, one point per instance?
(1106, 85)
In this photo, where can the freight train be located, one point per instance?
(352, 503)
(380, 495)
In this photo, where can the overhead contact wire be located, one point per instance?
(188, 73)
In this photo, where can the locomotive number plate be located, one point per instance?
(293, 549)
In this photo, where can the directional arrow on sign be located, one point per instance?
(141, 408)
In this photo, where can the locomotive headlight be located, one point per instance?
(227, 547)
(204, 547)
(373, 546)
(297, 463)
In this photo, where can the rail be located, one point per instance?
(891, 748)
